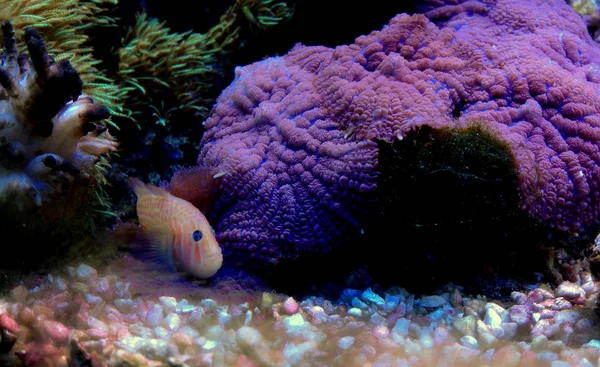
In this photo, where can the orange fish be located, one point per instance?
(176, 230)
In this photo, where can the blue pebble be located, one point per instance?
(359, 304)
(377, 319)
(437, 314)
(547, 356)
(372, 297)
(401, 327)
(594, 343)
(391, 303)
(348, 294)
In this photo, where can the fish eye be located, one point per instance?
(197, 235)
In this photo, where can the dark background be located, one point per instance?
(327, 23)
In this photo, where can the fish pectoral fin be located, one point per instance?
(192, 279)
(199, 281)
(151, 245)
(152, 238)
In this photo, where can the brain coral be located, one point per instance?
(296, 134)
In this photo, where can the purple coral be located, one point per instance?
(295, 135)
(292, 177)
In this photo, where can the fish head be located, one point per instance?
(205, 257)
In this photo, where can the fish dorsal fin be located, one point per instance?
(155, 190)
(141, 188)
(196, 185)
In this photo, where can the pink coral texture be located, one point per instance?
(295, 136)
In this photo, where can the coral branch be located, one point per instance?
(48, 138)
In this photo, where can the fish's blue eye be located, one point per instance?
(197, 235)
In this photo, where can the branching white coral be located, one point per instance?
(47, 133)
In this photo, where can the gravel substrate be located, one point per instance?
(87, 317)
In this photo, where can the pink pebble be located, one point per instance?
(578, 301)
(290, 306)
(528, 359)
(56, 331)
(518, 297)
(141, 309)
(130, 318)
(8, 323)
(560, 303)
(244, 361)
(520, 314)
(103, 289)
(441, 336)
(505, 357)
(552, 330)
(534, 296)
(548, 314)
(540, 328)
(57, 299)
(112, 311)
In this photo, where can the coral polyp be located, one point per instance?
(48, 137)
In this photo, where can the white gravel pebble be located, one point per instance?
(431, 301)
(448, 329)
(86, 274)
(223, 317)
(345, 342)
(568, 290)
(426, 341)
(140, 330)
(248, 318)
(94, 323)
(161, 332)
(209, 345)
(173, 321)
(208, 304)
(356, 312)
(492, 318)
(155, 315)
(294, 353)
(124, 305)
(169, 303)
(469, 342)
(248, 337)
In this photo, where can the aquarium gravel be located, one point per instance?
(91, 317)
